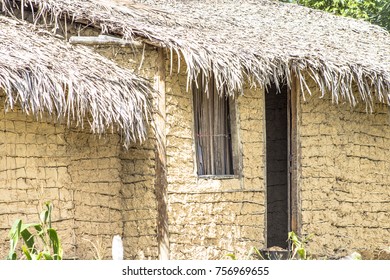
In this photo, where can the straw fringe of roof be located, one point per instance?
(206, 53)
(46, 75)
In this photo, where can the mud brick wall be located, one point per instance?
(33, 169)
(345, 181)
(111, 188)
(76, 171)
(139, 205)
(94, 175)
(98, 187)
(209, 218)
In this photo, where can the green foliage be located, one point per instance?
(375, 11)
(253, 253)
(349, 8)
(298, 246)
(40, 240)
(232, 256)
(382, 18)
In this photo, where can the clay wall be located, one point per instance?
(345, 179)
(139, 207)
(210, 218)
(98, 187)
(77, 171)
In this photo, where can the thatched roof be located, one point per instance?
(46, 75)
(262, 40)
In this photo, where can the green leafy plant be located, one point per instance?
(232, 256)
(40, 240)
(298, 246)
(256, 254)
(253, 254)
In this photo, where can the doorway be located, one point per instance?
(278, 164)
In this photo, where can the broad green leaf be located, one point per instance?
(56, 243)
(28, 239)
(47, 246)
(301, 253)
(11, 256)
(39, 256)
(47, 256)
(14, 235)
(15, 229)
(24, 226)
(41, 233)
(26, 252)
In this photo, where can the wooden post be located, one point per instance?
(101, 40)
(161, 183)
(294, 156)
(108, 41)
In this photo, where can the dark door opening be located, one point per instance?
(277, 158)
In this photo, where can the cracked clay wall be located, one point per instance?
(98, 188)
(136, 192)
(345, 179)
(76, 171)
(209, 218)
(139, 204)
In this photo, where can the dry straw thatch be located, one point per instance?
(46, 75)
(263, 41)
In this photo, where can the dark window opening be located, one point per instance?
(213, 133)
(276, 107)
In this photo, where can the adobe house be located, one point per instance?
(271, 117)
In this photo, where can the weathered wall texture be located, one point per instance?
(94, 176)
(137, 175)
(345, 180)
(76, 171)
(210, 218)
(139, 205)
(98, 188)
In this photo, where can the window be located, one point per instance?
(213, 115)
